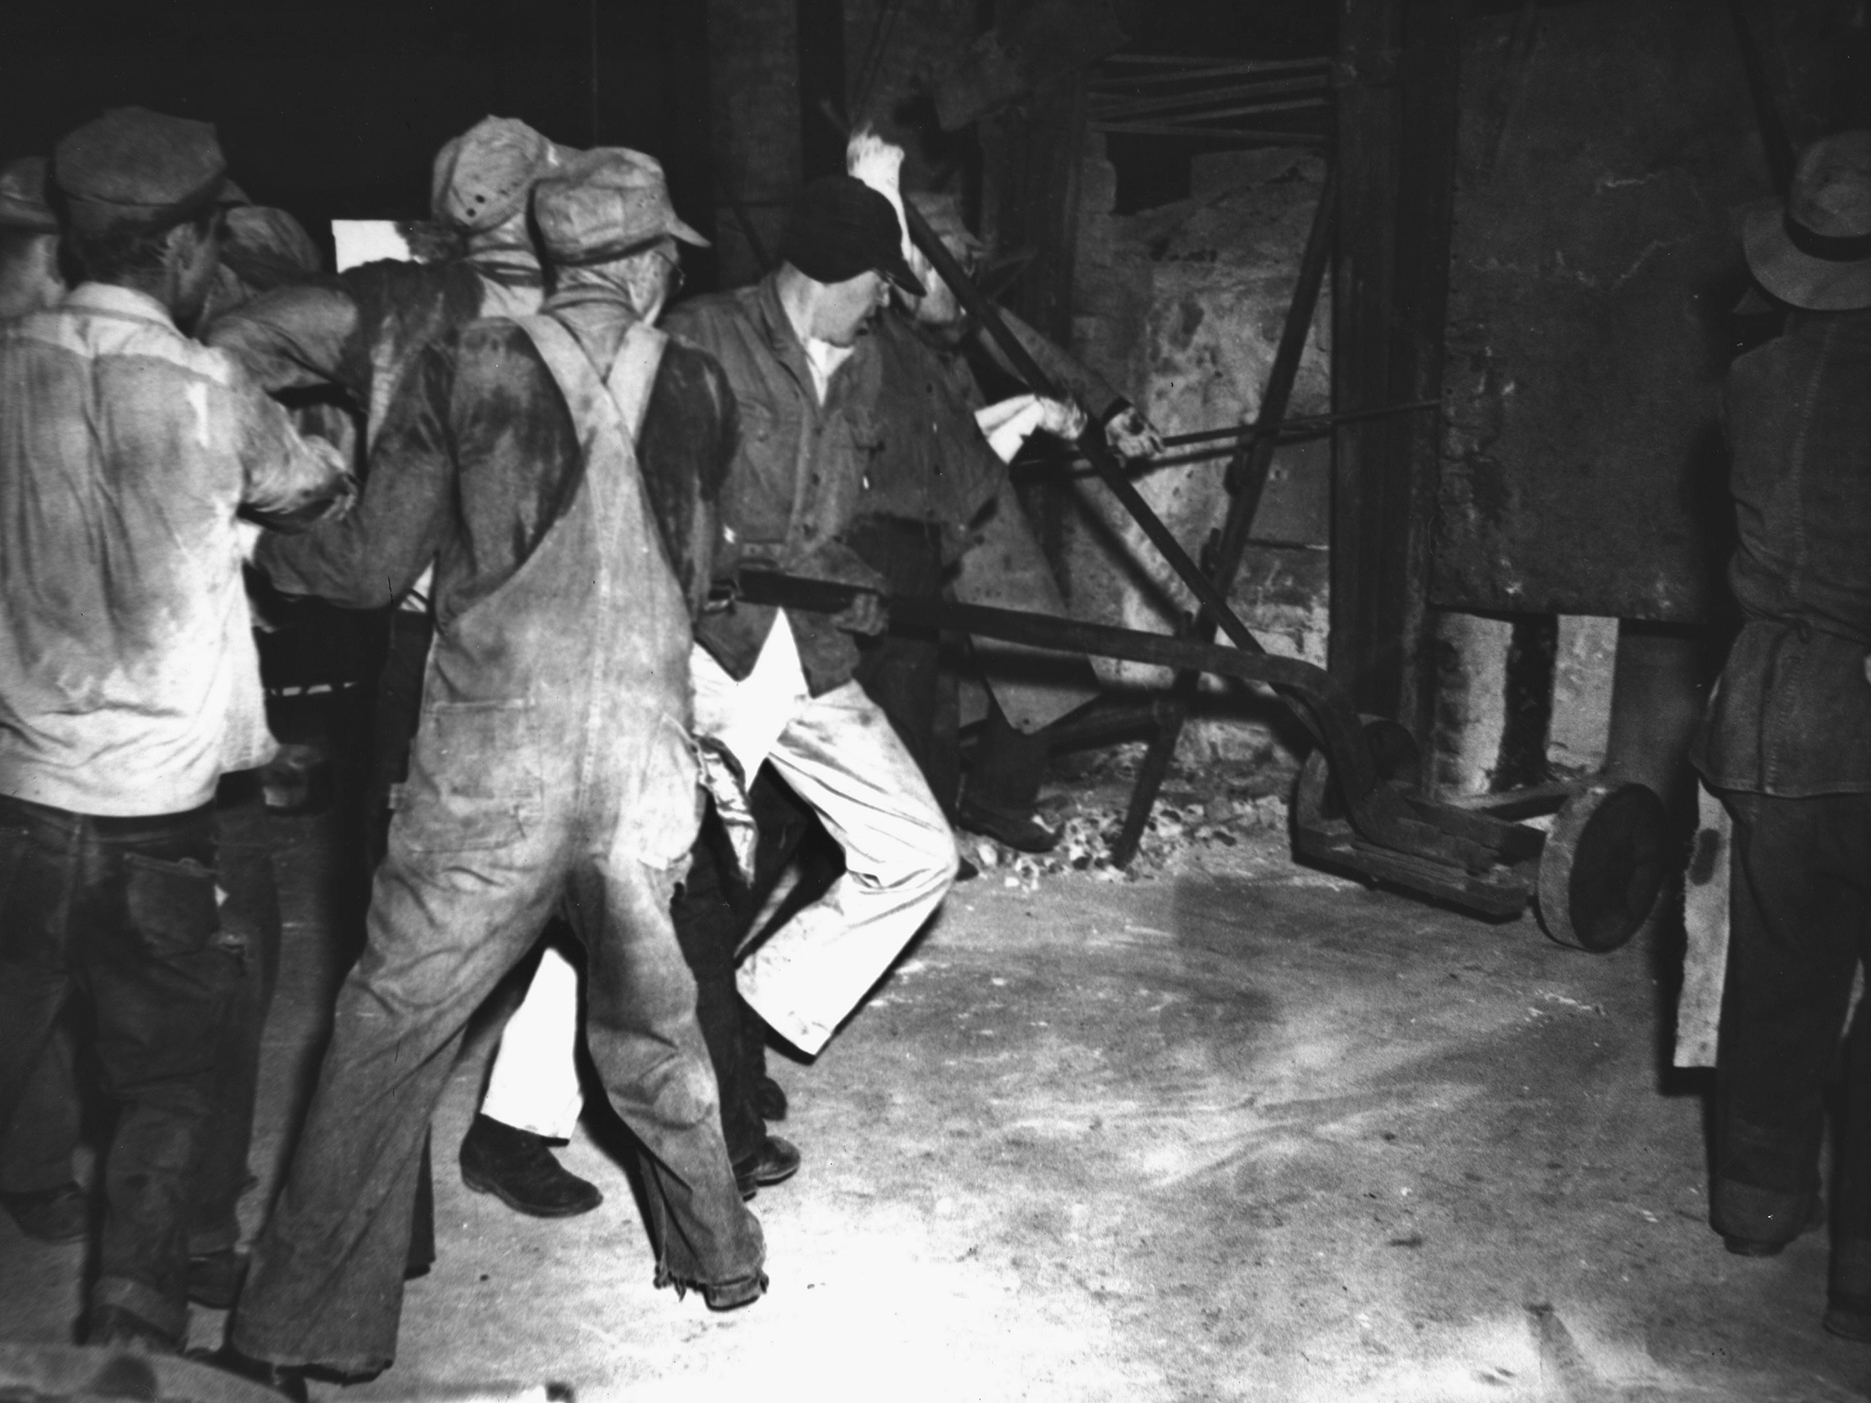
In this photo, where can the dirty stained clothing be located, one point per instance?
(776, 686)
(552, 766)
(1786, 742)
(794, 482)
(128, 683)
(128, 678)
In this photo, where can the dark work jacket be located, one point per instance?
(794, 483)
(487, 459)
(1791, 715)
(934, 466)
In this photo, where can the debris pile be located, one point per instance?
(1178, 828)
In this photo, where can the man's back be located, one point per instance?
(127, 673)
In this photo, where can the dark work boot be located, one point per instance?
(774, 1162)
(516, 1167)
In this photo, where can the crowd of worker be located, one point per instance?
(547, 477)
(580, 735)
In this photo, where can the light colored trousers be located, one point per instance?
(840, 755)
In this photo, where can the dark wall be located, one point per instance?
(334, 110)
(1604, 149)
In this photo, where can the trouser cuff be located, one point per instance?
(1772, 1216)
(145, 1302)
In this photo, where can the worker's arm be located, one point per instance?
(298, 336)
(1126, 430)
(290, 481)
(371, 557)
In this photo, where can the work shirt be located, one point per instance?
(128, 677)
(793, 486)
(487, 460)
(1791, 715)
(935, 466)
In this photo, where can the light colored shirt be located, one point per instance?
(128, 677)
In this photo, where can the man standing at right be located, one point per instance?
(774, 686)
(1787, 739)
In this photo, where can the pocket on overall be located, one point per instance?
(172, 905)
(667, 812)
(473, 778)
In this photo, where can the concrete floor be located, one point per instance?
(1250, 1133)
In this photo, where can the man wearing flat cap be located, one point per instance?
(555, 471)
(128, 679)
(1786, 742)
(773, 687)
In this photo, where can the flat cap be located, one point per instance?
(482, 177)
(606, 203)
(22, 197)
(134, 166)
(840, 227)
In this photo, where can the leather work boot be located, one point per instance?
(50, 1215)
(1027, 832)
(774, 1162)
(516, 1167)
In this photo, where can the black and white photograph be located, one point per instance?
(956, 701)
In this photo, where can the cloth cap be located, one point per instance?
(22, 197)
(942, 213)
(267, 248)
(839, 228)
(606, 203)
(134, 166)
(1816, 251)
(482, 177)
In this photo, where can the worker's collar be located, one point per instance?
(118, 301)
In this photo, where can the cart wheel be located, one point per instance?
(1603, 865)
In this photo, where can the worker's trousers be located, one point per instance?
(327, 1280)
(843, 759)
(1800, 924)
(122, 911)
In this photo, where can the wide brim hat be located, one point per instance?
(606, 204)
(1814, 251)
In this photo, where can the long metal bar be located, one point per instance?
(1197, 97)
(1255, 460)
(1378, 812)
(1254, 135)
(1189, 67)
(1091, 443)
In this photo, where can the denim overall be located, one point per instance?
(552, 765)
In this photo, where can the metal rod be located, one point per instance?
(1254, 458)
(1091, 442)
(1103, 106)
(1255, 135)
(1205, 65)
